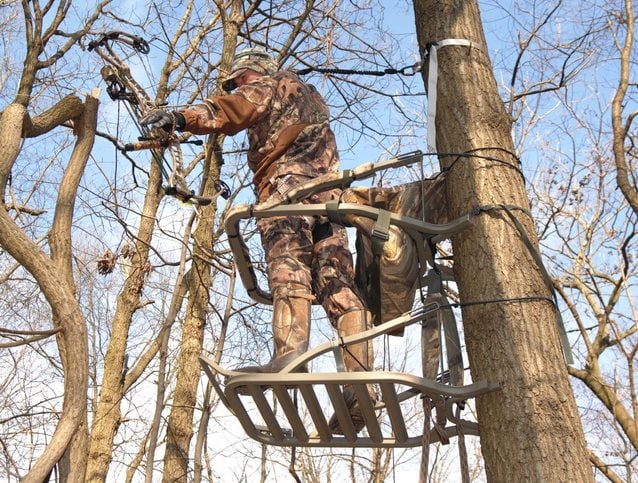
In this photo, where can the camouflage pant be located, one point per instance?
(306, 256)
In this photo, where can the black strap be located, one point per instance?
(562, 333)
(408, 70)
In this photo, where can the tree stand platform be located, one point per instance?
(296, 414)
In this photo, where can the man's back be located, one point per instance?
(292, 135)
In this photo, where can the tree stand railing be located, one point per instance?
(337, 210)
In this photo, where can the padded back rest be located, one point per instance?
(388, 282)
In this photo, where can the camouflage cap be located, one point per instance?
(254, 59)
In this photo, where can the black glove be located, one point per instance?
(168, 121)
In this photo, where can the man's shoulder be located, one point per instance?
(286, 73)
(286, 76)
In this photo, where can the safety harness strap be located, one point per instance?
(433, 68)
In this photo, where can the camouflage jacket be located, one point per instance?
(287, 122)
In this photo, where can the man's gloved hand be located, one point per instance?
(168, 121)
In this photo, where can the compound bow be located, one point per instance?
(122, 87)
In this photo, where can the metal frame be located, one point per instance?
(243, 212)
(322, 393)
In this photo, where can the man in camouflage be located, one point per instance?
(290, 142)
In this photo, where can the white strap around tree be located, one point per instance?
(433, 68)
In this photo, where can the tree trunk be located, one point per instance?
(73, 464)
(530, 429)
(180, 423)
(107, 417)
(179, 431)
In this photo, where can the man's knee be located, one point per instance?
(286, 271)
(338, 298)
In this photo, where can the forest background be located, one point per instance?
(126, 365)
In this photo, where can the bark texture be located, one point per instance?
(180, 423)
(107, 417)
(530, 430)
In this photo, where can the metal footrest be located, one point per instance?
(297, 411)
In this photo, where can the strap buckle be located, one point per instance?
(380, 231)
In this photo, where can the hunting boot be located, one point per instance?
(356, 357)
(290, 329)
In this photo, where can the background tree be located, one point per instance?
(492, 262)
(46, 44)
